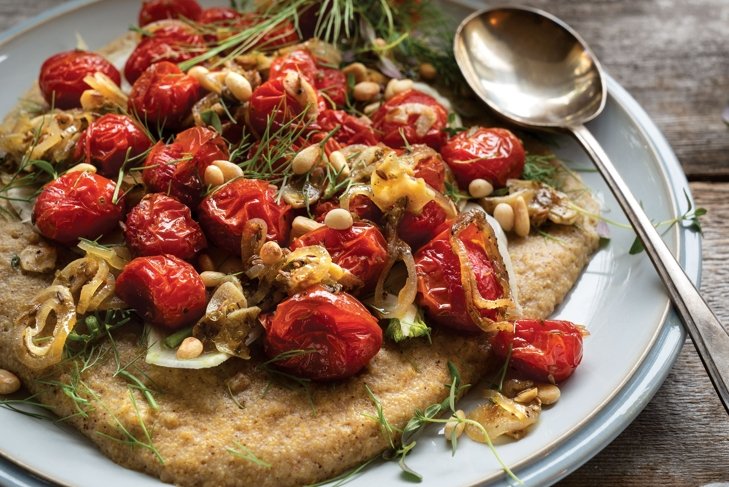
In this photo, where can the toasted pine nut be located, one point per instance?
(198, 72)
(366, 91)
(302, 225)
(205, 262)
(239, 86)
(526, 396)
(83, 167)
(456, 425)
(190, 348)
(339, 219)
(504, 214)
(213, 176)
(9, 382)
(230, 171)
(521, 217)
(271, 253)
(371, 108)
(376, 77)
(306, 159)
(548, 393)
(427, 71)
(480, 188)
(357, 70)
(339, 163)
(212, 278)
(397, 86)
(92, 100)
(211, 82)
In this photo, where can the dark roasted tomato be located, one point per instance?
(485, 153)
(351, 130)
(418, 229)
(223, 213)
(299, 60)
(272, 100)
(110, 141)
(77, 205)
(332, 84)
(154, 10)
(544, 350)
(174, 42)
(164, 290)
(337, 333)
(221, 16)
(61, 79)
(361, 249)
(160, 224)
(164, 96)
(203, 145)
(412, 116)
(360, 206)
(440, 289)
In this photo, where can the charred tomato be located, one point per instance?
(154, 10)
(411, 117)
(61, 79)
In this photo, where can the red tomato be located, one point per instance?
(360, 206)
(164, 290)
(204, 146)
(174, 42)
(110, 141)
(223, 16)
(414, 116)
(160, 225)
(299, 60)
(429, 166)
(61, 79)
(282, 34)
(337, 330)
(485, 153)
(271, 100)
(548, 350)
(164, 96)
(352, 130)
(154, 10)
(332, 84)
(77, 205)
(223, 213)
(440, 290)
(417, 230)
(361, 249)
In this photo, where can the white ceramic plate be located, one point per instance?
(634, 340)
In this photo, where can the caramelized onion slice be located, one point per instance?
(502, 416)
(407, 294)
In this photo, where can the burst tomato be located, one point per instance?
(337, 333)
(221, 16)
(418, 229)
(298, 60)
(273, 101)
(429, 165)
(160, 224)
(351, 130)
(77, 205)
(361, 249)
(61, 79)
(164, 290)
(203, 146)
(164, 96)
(109, 141)
(154, 10)
(223, 213)
(544, 350)
(332, 84)
(411, 116)
(485, 153)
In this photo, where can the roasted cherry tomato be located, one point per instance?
(440, 290)
(298, 60)
(418, 229)
(110, 141)
(548, 350)
(160, 224)
(360, 206)
(411, 116)
(272, 100)
(77, 205)
(336, 332)
(361, 249)
(282, 34)
(154, 10)
(221, 16)
(351, 130)
(173, 42)
(484, 153)
(223, 213)
(61, 79)
(203, 145)
(164, 96)
(164, 290)
(429, 165)
(332, 85)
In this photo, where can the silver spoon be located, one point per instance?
(534, 70)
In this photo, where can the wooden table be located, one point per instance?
(673, 57)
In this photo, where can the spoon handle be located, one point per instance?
(709, 336)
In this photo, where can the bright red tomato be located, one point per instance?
(351, 130)
(154, 10)
(164, 96)
(204, 146)
(61, 79)
(440, 290)
(548, 350)
(77, 205)
(429, 165)
(332, 84)
(418, 229)
(361, 249)
(360, 206)
(164, 290)
(160, 224)
(110, 141)
(412, 116)
(223, 213)
(272, 100)
(222, 16)
(299, 61)
(485, 153)
(338, 333)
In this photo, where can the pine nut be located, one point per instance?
(83, 167)
(212, 83)
(271, 253)
(548, 393)
(339, 163)
(526, 396)
(521, 217)
(371, 108)
(9, 382)
(198, 72)
(205, 263)
(376, 77)
(397, 86)
(357, 70)
(92, 100)
(213, 176)
(212, 278)
(339, 219)
(239, 86)
(504, 214)
(306, 159)
(230, 171)
(455, 425)
(302, 225)
(480, 188)
(427, 71)
(190, 348)
(366, 91)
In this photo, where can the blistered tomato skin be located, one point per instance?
(164, 290)
(109, 141)
(332, 84)
(160, 224)
(544, 350)
(350, 129)
(411, 116)
(223, 213)
(418, 229)
(342, 335)
(154, 10)
(271, 100)
(77, 205)
(203, 146)
(493, 154)
(299, 60)
(61, 79)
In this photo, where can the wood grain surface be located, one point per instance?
(673, 57)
